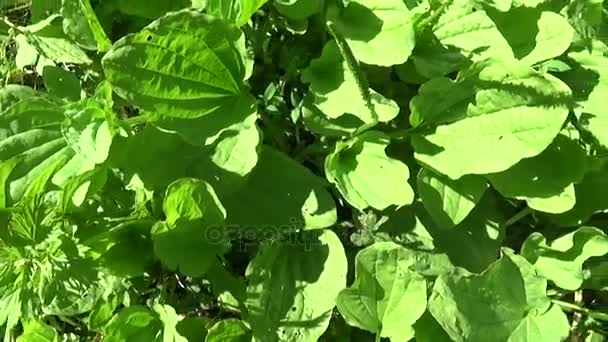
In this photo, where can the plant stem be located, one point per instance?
(570, 306)
(136, 120)
(523, 213)
(378, 337)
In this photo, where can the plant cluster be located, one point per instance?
(304, 170)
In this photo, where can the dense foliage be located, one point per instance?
(304, 170)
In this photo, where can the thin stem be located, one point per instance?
(520, 215)
(567, 306)
(136, 120)
(378, 337)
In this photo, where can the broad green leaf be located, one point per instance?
(61, 83)
(354, 167)
(591, 197)
(278, 202)
(461, 34)
(316, 121)
(30, 131)
(41, 9)
(387, 297)
(81, 24)
(545, 181)
(405, 228)
(428, 330)
(562, 260)
(184, 65)
(149, 9)
(88, 133)
(379, 32)
(36, 331)
(10, 308)
(510, 112)
(135, 323)
(449, 201)
(589, 82)
(47, 44)
(232, 141)
(491, 305)
(551, 326)
(228, 330)
(335, 90)
(170, 319)
(139, 154)
(293, 285)
(298, 9)
(236, 11)
(191, 237)
(534, 35)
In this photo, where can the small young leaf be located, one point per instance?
(355, 168)
(386, 297)
(187, 239)
(449, 201)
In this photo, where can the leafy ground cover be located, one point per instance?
(304, 170)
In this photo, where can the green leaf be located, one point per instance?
(537, 180)
(590, 197)
(386, 297)
(534, 35)
(135, 323)
(278, 202)
(354, 168)
(562, 260)
(293, 285)
(428, 330)
(193, 328)
(298, 9)
(30, 131)
(170, 319)
(47, 44)
(505, 295)
(335, 89)
(42, 9)
(139, 155)
(551, 326)
(183, 65)
(149, 9)
(449, 201)
(509, 113)
(316, 121)
(463, 33)
(229, 330)
(88, 133)
(36, 331)
(188, 239)
(379, 32)
(589, 82)
(61, 83)
(235, 11)
(81, 24)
